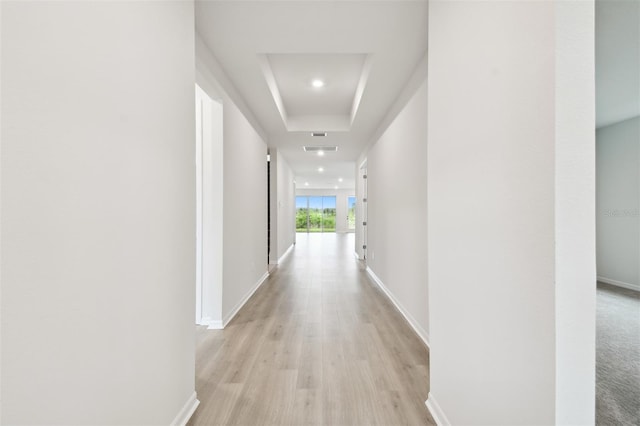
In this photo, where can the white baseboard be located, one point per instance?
(421, 332)
(286, 253)
(211, 323)
(187, 411)
(355, 253)
(436, 412)
(215, 325)
(244, 300)
(619, 283)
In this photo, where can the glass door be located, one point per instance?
(351, 213)
(328, 214)
(302, 214)
(315, 213)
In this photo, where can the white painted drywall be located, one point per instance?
(360, 169)
(273, 206)
(282, 206)
(98, 212)
(575, 208)
(245, 208)
(617, 60)
(244, 188)
(286, 208)
(510, 166)
(618, 202)
(341, 203)
(408, 92)
(199, 199)
(1, 36)
(397, 208)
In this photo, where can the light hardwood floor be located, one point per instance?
(317, 344)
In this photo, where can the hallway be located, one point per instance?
(152, 153)
(318, 343)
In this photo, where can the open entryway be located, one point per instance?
(208, 210)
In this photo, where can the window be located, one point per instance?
(315, 213)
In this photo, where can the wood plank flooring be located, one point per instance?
(317, 344)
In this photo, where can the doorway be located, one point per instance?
(617, 56)
(209, 137)
(315, 213)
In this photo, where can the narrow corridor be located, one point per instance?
(318, 343)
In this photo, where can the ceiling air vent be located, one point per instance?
(319, 134)
(320, 148)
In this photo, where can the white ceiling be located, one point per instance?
(294, 73)
(617, 60)
(365, 51)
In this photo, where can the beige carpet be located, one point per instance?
(617, 356)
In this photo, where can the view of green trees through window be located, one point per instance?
(351, 213)
(315, 214)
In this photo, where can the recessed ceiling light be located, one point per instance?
(339, 179)
(320, 169)
(317, 83)
(335, 187)
(306, 184)
(320, 153)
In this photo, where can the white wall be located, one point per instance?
(1, 363)
(285, 207)
(575, 211)
(415, 82)
(98, 212)
(618, 203)
(360, 194)
(341, 203)
(282, 207)
(617, 61)
(397, 209)
(510, 212)
(273, 206)
(245, 208)
(244, 189)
